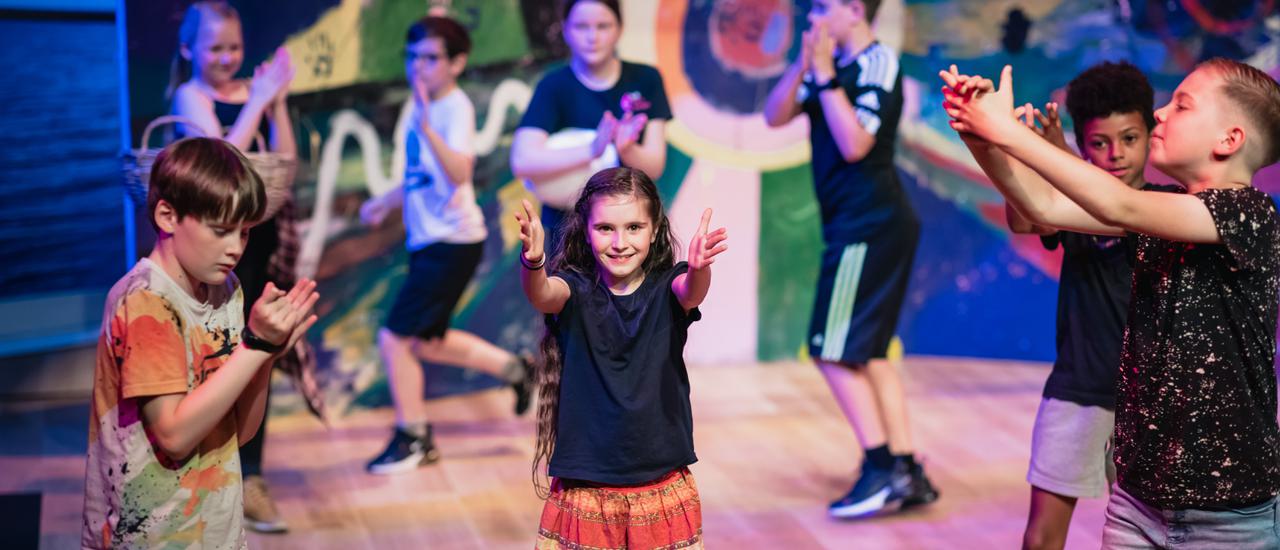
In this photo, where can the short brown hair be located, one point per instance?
(207, 178)
(870, 7)
(1257, 95)
(451, 33)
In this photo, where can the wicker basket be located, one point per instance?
(276, 170)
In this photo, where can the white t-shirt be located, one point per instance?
(434, 210)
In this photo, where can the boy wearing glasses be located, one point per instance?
(445, 233)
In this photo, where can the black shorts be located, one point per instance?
(438, 275)
(860, 291)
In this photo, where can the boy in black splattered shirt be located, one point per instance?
(1196, 434)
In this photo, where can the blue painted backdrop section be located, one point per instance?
(60, 201)
(970, 293)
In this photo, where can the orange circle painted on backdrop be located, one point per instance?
(702, 131)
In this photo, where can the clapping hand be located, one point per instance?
(281, 317)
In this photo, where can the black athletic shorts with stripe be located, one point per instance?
(860, 291)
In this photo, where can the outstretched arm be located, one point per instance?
(547, 294)
(1166, 215)
(1029, 195)
(691, 287)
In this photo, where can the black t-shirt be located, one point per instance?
(1196, 400)
(1093, 306)
(863, 198)
(624, 392)
(561, 101)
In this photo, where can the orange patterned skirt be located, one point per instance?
(662, 514)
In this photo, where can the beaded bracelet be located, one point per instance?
(533, 267)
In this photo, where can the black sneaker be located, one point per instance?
(524, 388)
(919, 490)
(404, 453)
(877, 489)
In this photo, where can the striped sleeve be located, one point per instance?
(877, 76)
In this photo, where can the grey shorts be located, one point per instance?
(1070, 449)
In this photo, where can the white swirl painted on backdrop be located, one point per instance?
(348, 123)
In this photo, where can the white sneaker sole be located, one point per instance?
(409, 464)
(867, 507)
(268, 527)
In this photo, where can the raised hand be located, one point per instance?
(704, 247)
(421, 103)
(605, 131)
(805, 61)
(271, 79)
(976, 106)
(283, 317)
(1051, 126)
(627, 132)
(531, 234)
(821, 51)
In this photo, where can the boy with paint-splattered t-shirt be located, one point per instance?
(180, 378)
(157, 340)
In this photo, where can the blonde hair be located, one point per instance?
(180, 67)
(1257, 95)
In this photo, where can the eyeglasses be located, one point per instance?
(411, 56)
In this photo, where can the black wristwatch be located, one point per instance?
(254, 342)
(832, 84)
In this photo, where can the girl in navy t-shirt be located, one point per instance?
(596, 112)
(614, 421)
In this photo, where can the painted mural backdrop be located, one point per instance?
(975, 291)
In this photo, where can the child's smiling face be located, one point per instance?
(620, 232)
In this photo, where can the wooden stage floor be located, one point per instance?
(773, 451)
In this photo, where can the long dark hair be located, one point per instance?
(180, 68)
(575, 255)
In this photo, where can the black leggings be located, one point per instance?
(252, 272)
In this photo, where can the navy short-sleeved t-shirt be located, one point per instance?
(561, 101)
(624, 413)
(1093, 307)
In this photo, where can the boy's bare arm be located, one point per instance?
(180, 421)
(853, 141)
(781, 106)
(1021, 225)
(456, 166)
(978, 108)
(251, 406)
(1170, 216)
(1030, 195)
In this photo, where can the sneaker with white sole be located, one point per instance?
(404, 452)
(876, 490)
